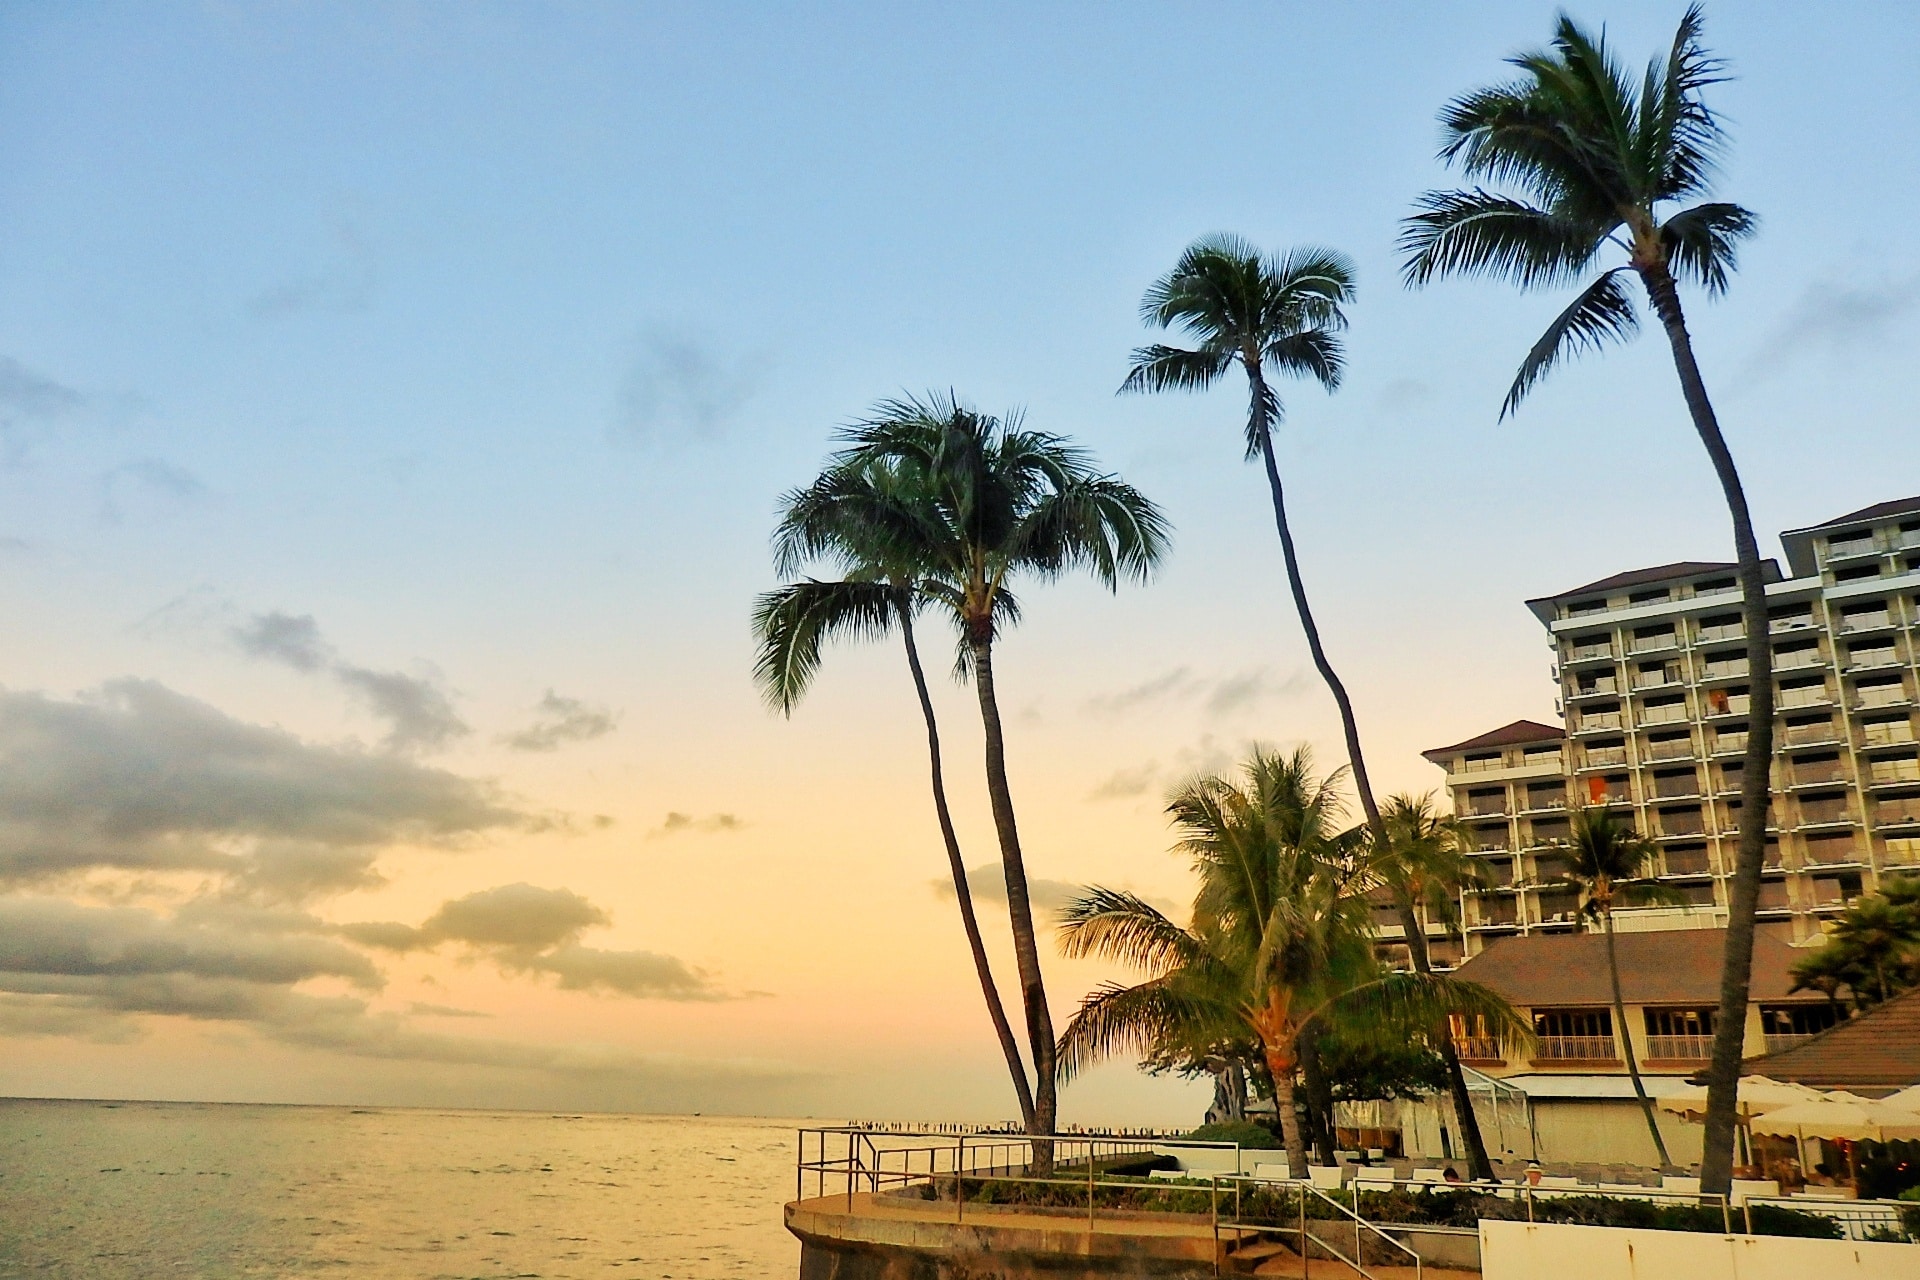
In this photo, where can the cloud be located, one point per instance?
(523, 928)
(680, 388)
(30, 404)
(1217, 696)
(137, 777)
(679, 823)
(285, 638)
(1206, 756)
(146, 488)
(344, 285)
(562, 720)
(419, 714)
(420, 1008)
(1835, 321)
(988, 883)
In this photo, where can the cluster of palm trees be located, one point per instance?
(1872, 952)
(1576, 166)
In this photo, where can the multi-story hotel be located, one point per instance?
(1653, 687)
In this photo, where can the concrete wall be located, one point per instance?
(1528, 1251)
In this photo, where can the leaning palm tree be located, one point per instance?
(980, 502)
(1281, 936)
(1592, 162)
(876, 593)
(1611, 864)
(1425, 865)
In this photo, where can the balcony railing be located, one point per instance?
(1577, 1049)
(1679, 1048)
(1674, 788)
(1797, 660)
(1897, 812)
(1782, 1040)
(1872, 659)
(1882, 695)
(1585, 652)
(1724, 670)
(1679, 749)
(1817, 696)
(1482, 766)
(1652, 644)
(1666, 713)
(1726, 744)
(1865, 622)
(1731, 707)
(1602, 720)
(1478, 1048)
(1805, 776)
(1888, 734)
(1846, 550)
(1806, 735)
(1598, 687)
(1798, 622)
(1725, 631)
(1603, 756)
(1881, 772)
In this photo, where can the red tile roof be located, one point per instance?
(1519, 733)
(1875, 1053)
(1878, 511)
(1644, 577)
(1669, 966)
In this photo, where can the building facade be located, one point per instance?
(1653, 684)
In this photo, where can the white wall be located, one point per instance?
(1527, 1251)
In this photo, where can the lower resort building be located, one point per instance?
(1653, 686)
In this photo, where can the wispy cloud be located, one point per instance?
(345, 282)
(419, 714)
(523, 928)
(988, 883)
(1832, 320)
(1217, 695)
(1208, 755)
(685, 823)
(561, 720)
(146, 487)
(679, 388)
(30, 405)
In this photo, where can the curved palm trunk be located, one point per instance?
(1478, 1165)
(1026, 949)
(1736, 968)
(1626, 1045)
(995, 1010)
(1280, 1066)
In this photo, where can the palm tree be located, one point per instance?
(1611, 864)
(981, 501)
(1281, 935)
(1597, 160)
(1426, 866)
(876, 594)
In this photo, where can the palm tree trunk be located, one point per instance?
(1626, 1044)
(1026, 948)
(1743, 893)
(1319, 1131)
(1290, 1137)
(1478, 1165)
(961, 891)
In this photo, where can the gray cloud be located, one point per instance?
(562, 720)
(523, 928)
(1217, 696)
(421, 1009)
(137, 777)
(988, 883)
(345, 284)
(1205, 756)
(419, 714)
(30, 404)
(682, 823)
(285, 638)
(146, 488)
(1834, 321)
(680, 388)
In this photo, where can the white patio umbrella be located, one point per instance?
(1851, 1118)
(1758, 1095)
(1908, 1098)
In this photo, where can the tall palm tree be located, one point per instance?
(1426, 866)
(877, 593)
(1592, 161)
(1281, 935)
(1612, 864)
(982, 501)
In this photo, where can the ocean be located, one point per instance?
(137, 1190)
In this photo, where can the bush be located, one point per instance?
(1253, 1137)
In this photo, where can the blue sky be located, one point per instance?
(486, 337)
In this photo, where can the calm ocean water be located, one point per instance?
(137, 1190)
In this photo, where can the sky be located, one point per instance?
(395, 401)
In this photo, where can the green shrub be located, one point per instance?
(1253, 1137)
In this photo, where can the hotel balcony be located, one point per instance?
(1724, 631)
(1590, 653)
(1861, 623)
(1678, 1048)
(1479, 1050)
(1585, 1050)
(1780, 1041)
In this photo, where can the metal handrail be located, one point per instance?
(1356, 1262)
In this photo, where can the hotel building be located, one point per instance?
(1653, 681)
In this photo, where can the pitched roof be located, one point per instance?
(1643, 577)
(1878, 511)
(1510, 735)
(1879, 1051)
(1670, 966)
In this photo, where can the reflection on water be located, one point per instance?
(136, 1190)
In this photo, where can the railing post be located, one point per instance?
(1089, 1186)
(1726, 1213)
(960, 1181)
(1303, 1230)
(1216, 1219)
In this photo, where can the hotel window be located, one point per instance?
(1573, 1022)
(1651, 597)
(1679, 1022)
(1856, 573)
(1796, 1019)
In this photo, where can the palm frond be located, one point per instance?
(1602, 313)
(1702, 243)
(1163, 368)
(1479, 232)
(1138, 1021)
(1123, 927)
(1416, 1001)
(794, 622)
